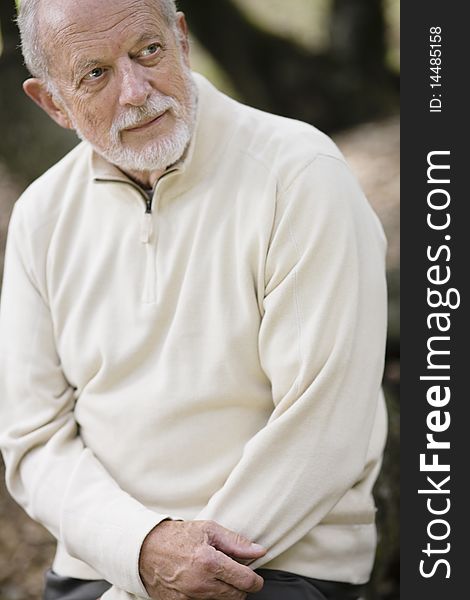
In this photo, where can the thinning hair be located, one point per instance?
(33, 48)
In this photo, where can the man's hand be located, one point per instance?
(182, 560)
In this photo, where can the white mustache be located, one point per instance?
(135, 115)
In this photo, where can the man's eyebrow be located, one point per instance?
(149, 36)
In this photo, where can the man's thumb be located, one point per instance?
(233, 544)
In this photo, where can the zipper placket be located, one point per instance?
(146, 235)
(149, 237)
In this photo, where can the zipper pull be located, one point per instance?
(146, 229)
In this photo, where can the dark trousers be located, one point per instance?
(278, 585)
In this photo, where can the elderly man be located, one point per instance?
(192, 325)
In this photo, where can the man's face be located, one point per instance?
(122, 77)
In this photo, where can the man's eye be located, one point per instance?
(150, 50)
(96, 73)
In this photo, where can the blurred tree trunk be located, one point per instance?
(9, 31)
(346, 84)
(358, 36)
(22, 123)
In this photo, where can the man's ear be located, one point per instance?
(183, 35)
(38, 92)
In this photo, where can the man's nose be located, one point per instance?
(135, 88)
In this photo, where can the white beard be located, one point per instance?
(164, 150)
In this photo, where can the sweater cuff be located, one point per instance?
(114, 543)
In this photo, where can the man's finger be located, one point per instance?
(219, 590)
(232, 543)
(238, 576)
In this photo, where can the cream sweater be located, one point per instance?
(218, 358)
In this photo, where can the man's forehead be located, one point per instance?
(63, 18)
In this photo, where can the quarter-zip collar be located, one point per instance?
(104, 171)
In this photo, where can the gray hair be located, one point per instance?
(34, 52)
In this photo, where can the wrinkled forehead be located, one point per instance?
(74, 27)
(83, 15)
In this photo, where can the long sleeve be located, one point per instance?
(321, 344)
(50, 472)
